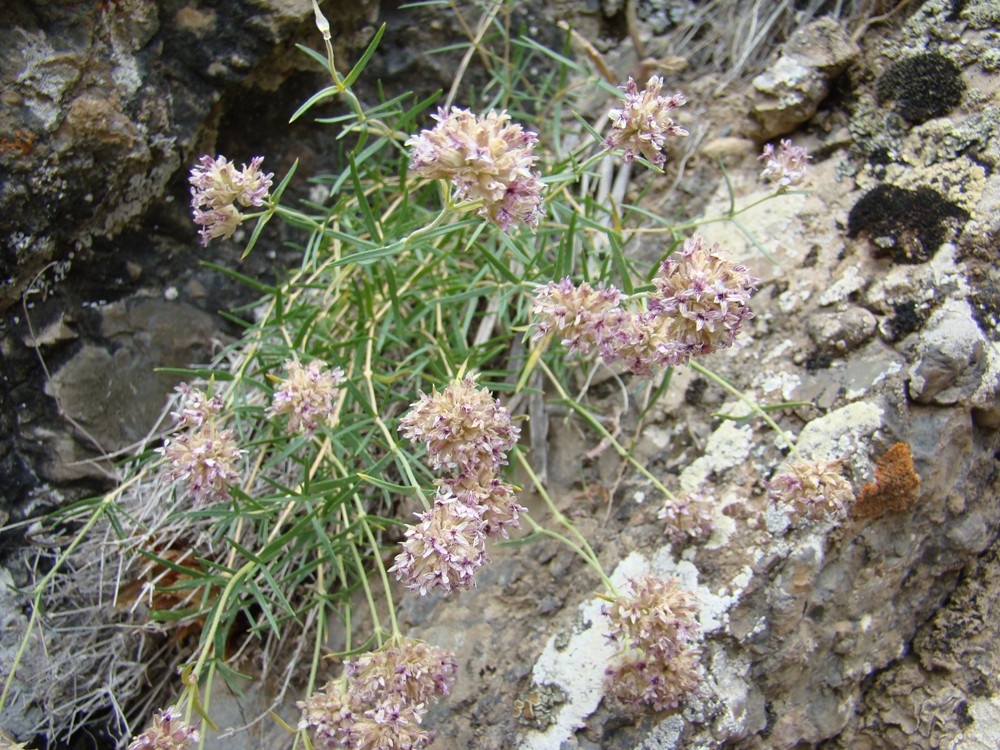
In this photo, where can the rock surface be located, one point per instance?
(849, 633)
(790, 91)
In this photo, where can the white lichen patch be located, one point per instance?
(841, 433)
(984, 732)
(850, 281)
(723, 527)
(577, 668)
(727, 447)
(782, 382)
(665, 735)
(776, 220)
(741, 707)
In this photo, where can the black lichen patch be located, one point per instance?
(818, 360)
(695, 392)
(923, 86)
(907, 225)
(985, 303)
(907, 319)
(963, 716)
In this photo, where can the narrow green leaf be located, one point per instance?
(530, 539)
(400, 489)
(206, 374)
(360, 65)
(500, 267)
(314, 99)
(278, 191)
(620, 263)
(317, 56)
(252, 283)
(371, 223)
(261, 223)
(753, 240)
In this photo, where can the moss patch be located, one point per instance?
(923, 86)
(908, 225)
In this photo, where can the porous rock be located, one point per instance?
(790, 91)
(103, 103)
(109, 392)
(842, 331)
(952, 359)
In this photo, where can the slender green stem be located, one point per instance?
(36, 605)
(208, 645)
(695, 223)
(601, 430)
(401, 460)
(363, 575)
(583, 549)
(749, 402)
(291, 213)
(363, 517)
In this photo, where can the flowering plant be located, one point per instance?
(390, 373)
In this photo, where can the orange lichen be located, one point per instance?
(24, 142)
(895, 487)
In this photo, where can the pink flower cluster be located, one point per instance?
(467, 434)
(487, 159)
(787, 167)
(689, 517)
(582, 317)
(216, 188)
(463, 427)
(641, 126)
(699, 305)
(812, 490)
(195, 407)
(166, 733)
(379, 702)
(655, 627)
(306, 395)
(202, 454)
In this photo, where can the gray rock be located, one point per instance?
(109, 393)
(103, 103)
(842, 331)
(952, 357)
(790, 91)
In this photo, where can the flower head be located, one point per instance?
(216, 188)
(330, 715)
(582, 317)
(492, 498)
(642, 342)
(306, 395)
(390, 724)
(463, 427)
(221, 222)
(643, 123)
(486, 158)
(413, 670)
(660, 683)
(814, 490)
(378, 703)
(689, 517)
(167, 732)
(787, 167)
(659, 617)
(195, 407)
(703, 299)
(444, 551)
(655, 626)
(206, 459)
